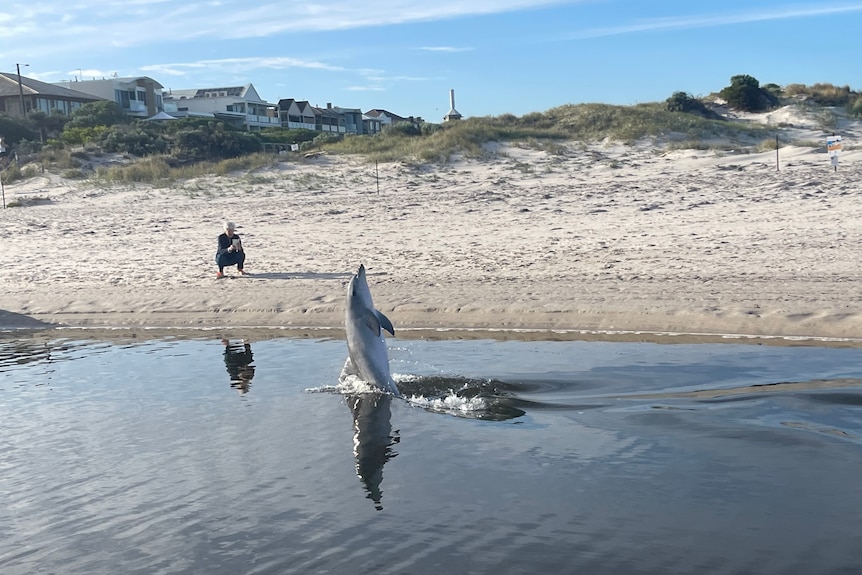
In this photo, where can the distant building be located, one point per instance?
(38, 96)
(352, 118)
(296, 114)
(453, 113)
(328, 120)
(238, 105)
(387, 119)
(139, 96)
(371, 125)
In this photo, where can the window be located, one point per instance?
(123, 99)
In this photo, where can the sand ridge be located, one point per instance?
(609, 237)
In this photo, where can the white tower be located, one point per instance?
(453, 113)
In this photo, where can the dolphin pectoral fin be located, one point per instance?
(372, 323)
(384, 322)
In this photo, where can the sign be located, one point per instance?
(833, 145)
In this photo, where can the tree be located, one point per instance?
(102, 113)
(745, 93)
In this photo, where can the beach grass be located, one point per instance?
(584, 123)
(157, 169)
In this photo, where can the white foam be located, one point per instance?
(450, 403)
(347, 385)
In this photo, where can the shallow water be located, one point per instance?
(173, 456)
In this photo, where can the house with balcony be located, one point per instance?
(329, 120)
(139, 97)
(240, 106)
(352, 118)
(38, 96)
(296, 114)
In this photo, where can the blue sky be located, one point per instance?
(500, 56)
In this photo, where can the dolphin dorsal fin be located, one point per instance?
(384, 322)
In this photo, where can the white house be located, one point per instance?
(140, 97)
(239, 105)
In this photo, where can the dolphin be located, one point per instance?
(367, 358)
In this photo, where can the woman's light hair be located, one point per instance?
(229, 225)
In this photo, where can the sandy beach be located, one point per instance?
(603, 238)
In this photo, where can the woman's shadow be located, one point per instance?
(297, 276)
(238, 359)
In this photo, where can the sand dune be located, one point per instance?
(607, 237)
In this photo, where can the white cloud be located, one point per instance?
(381, 78)
(236, 65)
(443, 49)
(705, 21)
(92, 23)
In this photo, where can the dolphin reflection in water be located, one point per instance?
(373, 440)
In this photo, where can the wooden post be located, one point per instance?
(377, 177)
(777, 165)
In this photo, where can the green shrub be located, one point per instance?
(16, 129)
(214, 141)
(27, 147)
(683, 102)
(745, 93)
(134, 139)
(79, 136)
